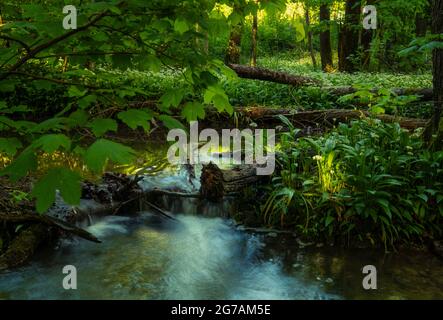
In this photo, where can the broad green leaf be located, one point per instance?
(152, 63)
(55, 124)
(136, 118)
(193, 111)
(181, 25)
(218, 97)
(73, 91)
(78, 118)
(86, 101)
(172, 98)
(408, 51)
(171, 123)
(20, 167)
(52, 142)
(10, 146)
(329, 220)
(432, 45)
(62, 179)
(221, 102)
(101, 126)
(300, 33)
(103, 150)
(377, 110)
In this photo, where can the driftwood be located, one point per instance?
(217, 183)
(325, 118)
(263, 74)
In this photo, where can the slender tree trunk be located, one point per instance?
(7, 44)
(206, 42)
(423, 21)
(254, 39)
(366, 40)
(437, 59)
(234, 46)
(311, 47)
(349, 36)
(325, 38)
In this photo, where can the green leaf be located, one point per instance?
(52, 142)
(86, 101)
(10, 146)
(171, 123)
(101, 126)
(222, 104)
(193, 111)
(329, 220)
(181, 25)
(377, 110)
(150, 62)
(134, 118)
(172, 98)
(56, 124)
(103, 150)
(73, 91)
(300, 33)
(78, 118)
(407, 51)
(25, 162)
(63, 179)
(218, 97)
(432, 45)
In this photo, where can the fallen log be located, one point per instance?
(24, 246)
(255, 73)
(51, 222)
(326, 118)
(159, 210)
(263, 74)
(174, 193)
(425, 94)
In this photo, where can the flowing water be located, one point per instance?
(205, 256)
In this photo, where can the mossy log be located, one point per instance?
(24, 246)
(322, 118)
(217, 183)
(263, 74)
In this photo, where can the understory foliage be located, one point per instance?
(365, 181)
(38, 57)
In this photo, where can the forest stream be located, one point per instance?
(203, 255)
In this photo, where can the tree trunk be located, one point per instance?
(325, 38)
(234, 45)
(423, 21)
(366, 40)
(310, 45)
(437, 59)
(349, 36)
(254, 39)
